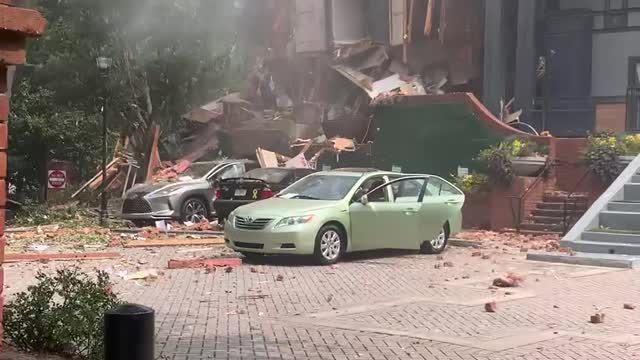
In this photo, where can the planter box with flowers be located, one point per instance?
(514, 157)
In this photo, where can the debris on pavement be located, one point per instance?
(597, 318)
(490, 307)
(511, 239)
(447, 264)
(510, 280)
(150, 274)
(203, 263)
(17, 258)
(228, 269)
(629, 306)
(279, 277)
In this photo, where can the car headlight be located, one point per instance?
(294, 220)
(231, 217)
(166, 192)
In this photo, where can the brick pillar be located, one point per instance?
(17, 24)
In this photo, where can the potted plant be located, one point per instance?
(528, 157)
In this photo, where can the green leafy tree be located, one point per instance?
(168, 56)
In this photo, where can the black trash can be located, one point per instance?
(129, 333)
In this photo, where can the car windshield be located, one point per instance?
(199, 170)
(321, 187)
(270, 176)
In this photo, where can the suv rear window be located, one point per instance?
(270, 176)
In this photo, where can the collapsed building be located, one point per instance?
(391, 83)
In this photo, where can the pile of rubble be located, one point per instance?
(524, 242)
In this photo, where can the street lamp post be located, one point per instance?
(104, 64)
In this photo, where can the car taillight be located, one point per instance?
(218, 193)
(266, 193)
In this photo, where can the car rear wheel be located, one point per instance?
(436, 245)
(329, 246)
(193, 210)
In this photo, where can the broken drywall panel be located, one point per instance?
(397, 22)
(266, 158)
(348, 19)
(361, 80)
(311, 26)
(362, 57)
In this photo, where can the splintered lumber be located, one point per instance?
(97, 177)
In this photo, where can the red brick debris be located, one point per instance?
(16, 258)
(203, 263)
(510, 280)
(490, 307)
(524, 242)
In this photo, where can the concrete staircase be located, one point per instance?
(549, 215)
(609, 231)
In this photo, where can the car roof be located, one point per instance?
(357, 170)
(352, 172)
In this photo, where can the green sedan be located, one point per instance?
(328, 214)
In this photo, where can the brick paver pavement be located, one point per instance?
(379, 306)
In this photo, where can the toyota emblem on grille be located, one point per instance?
(249, 220)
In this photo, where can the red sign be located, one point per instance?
(57, 179)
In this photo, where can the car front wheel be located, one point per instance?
(194, 210)
(329, 246)
(436, 245)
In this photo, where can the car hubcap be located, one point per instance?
(330, 245)
(438, 242)
(194, 211)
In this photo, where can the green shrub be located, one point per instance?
(470, 184)
(602, 155)
(631, 144)
(497, 162)
(62, 314)
(41, 214)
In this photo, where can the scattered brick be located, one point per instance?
(597, 318)
(203, 263)
(511, 280)
(490, 307)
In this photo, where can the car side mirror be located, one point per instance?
(364, 200)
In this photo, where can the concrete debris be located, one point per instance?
(447, 264)
(150, 274)
(629, 306)
(476, 254)
(279, 277)
(228, 269)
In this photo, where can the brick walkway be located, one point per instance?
(397, 306)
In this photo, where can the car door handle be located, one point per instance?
(452, 202)
(410, 211)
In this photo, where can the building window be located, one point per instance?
(616, 15)
(633, 95)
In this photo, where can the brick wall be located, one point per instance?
(611, 117)
(497, 208)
